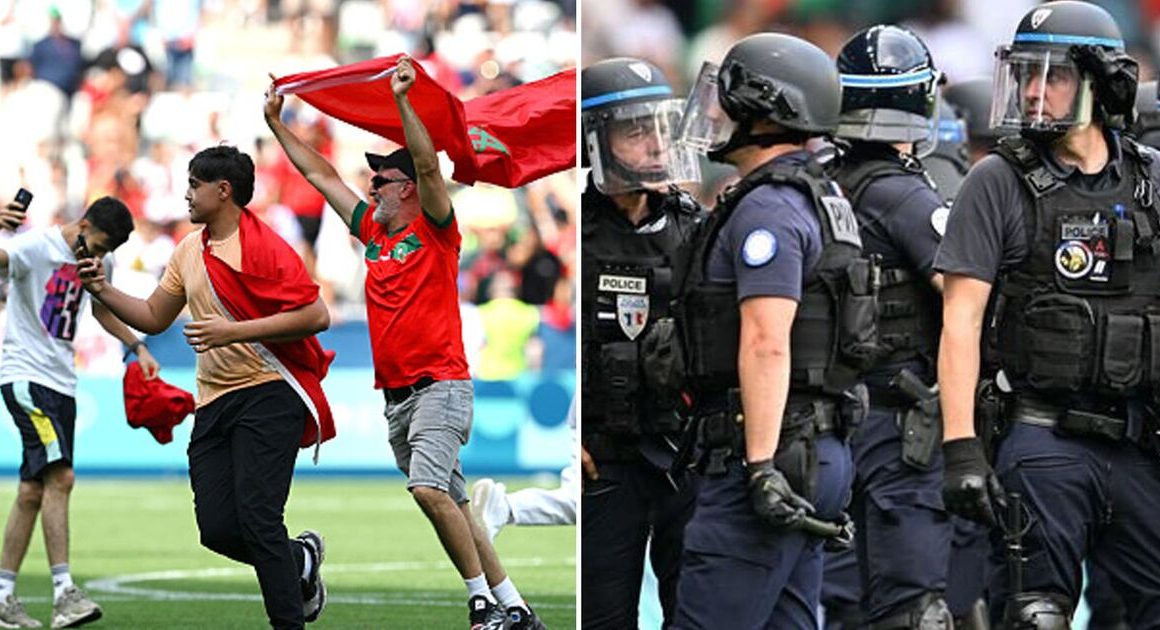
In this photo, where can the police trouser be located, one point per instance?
(1105, 604)
(903, 533)
(969, 566)
(629, 506)
(842, 590)
(739, 573)
(1088, 498)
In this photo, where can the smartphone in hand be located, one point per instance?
(23, 197)
(82, 248)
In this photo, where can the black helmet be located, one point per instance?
(889, 86)
(767, 76)
(629, 119)
(971, 100)
(1065, 66)
(1148, 123)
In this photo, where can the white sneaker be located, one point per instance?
(12, 615)
(489, 506)
(74, 608)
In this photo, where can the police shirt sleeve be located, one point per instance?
(918, 224)
(768, 244)
(985, 227)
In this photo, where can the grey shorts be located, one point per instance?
(426, 432)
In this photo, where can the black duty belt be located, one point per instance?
(1071, 421)
(396, 395)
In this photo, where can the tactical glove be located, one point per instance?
(773, 499)
(970, 487)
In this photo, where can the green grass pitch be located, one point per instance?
(135, 549)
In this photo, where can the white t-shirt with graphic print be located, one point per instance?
(45, 298)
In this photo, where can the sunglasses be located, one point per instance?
(378, 181)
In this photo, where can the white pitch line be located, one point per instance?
(120, 586)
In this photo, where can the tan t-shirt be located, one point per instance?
(228, 368)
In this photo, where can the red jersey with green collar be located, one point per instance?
(412, 298)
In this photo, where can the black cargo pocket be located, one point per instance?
(620, 381)
(858, 332)
(1122, 363)
(663, 362)
(1153, 359)
(1059, 347)
(714, 336)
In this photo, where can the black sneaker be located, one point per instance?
(484, 614)
(313, 588)
(522, 618)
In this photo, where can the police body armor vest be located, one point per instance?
(909, 309)
(1081, 314)
(626, 285)
(834, 329)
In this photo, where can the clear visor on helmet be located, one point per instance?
(1041, 90)
(633, 147)
(704, 125)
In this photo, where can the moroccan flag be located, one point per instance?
(507, 138)
(274, 280)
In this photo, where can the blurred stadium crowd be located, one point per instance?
(112, 97)
(679, 35)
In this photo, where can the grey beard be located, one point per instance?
(383, 214)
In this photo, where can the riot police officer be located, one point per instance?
(632, 218)
(760, 289)
(889, 98)
(1051, 254)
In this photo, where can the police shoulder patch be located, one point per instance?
(759, 248)
(938, 219)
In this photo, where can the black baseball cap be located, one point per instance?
(400, 159)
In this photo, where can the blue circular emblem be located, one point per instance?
(759, 248)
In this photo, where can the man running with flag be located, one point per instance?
(412, 256)
(259, 377)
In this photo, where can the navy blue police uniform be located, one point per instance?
(637, 502)
(903, 537)
(1073, 260)
(737, 572)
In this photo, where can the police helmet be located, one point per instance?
(629, 118)
(768, 76)
(1065, 66)
(889, 86)
(971, 100)
(1148, 121)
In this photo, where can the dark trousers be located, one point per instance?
(737, 571)
(1089, 499)
(241, 459)
(903, 537)
(632, 505)
(970, 557)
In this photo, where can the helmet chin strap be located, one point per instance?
(742, 136)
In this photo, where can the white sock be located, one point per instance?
(507, 594)
(478, 586)
(61, 580)
(307, 561)
(7, 584)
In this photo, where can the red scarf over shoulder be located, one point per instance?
(274, 280)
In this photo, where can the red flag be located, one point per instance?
(274, 280)
(526, 132)
(508, 138)
(360, 94)
(155, 404)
